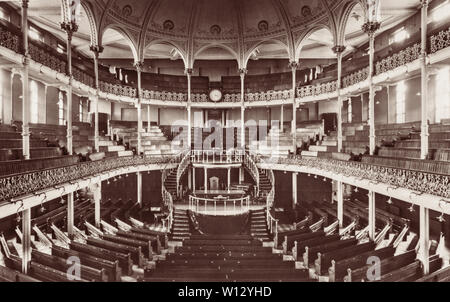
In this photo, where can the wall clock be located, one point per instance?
(215, 95)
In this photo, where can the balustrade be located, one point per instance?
(219, 206)
(232, 156)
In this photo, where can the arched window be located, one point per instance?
(61, 120)
(442, 96)
(400, 113)
(34, 102)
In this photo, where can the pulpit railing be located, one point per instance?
(216, 206)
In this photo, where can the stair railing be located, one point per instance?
(184, 164)
(253, 169)
(272, 223)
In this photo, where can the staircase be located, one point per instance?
(258, 226)
(171, 183)
(264, 183)
(180, 228)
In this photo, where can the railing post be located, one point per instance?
(26, 239)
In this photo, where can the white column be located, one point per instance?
(424, 82)
(193, 179)
(362, 107)
(26, 239)
(139, 188)
(370, 28)
(242, 73)
(241, 175)
(282, 118)
(139, 68)
(25, 84)
(189, 178)
(338, 50)
(340, 203)
(206, 180)
(424, 238)
(96, 51)
(188, 72)
(149, 127)
(350, 110)
(97, 194)
(228, 179)
(371, 215)
(294, 66)
(70, 214)
(294, 189)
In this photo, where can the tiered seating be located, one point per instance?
(153, 141)
(224, 258)
(276, 144)
(24, 166)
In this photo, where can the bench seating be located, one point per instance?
(136, 253)
(10, 275)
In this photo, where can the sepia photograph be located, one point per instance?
(218, 148)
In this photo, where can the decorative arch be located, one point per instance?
(125, 35)
(248, 54)
(305, 35)
(93, 28)
(345, 16)
(169, 43)
(212, 45)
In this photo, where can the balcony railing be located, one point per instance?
(11, 39)
(27, 183)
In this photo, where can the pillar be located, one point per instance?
(282, 118)
(188, 72)
(70, 28)
(339, 50)
(241, 175)
(139, 188)
(149, 127)
(294, 189)
(424, 238)
(70, 214)
(424, 82)
(189, 178)
(340, 203)
(96, 50)
(228, 179)
(294, 65)
(371, 215)
(25, 84)
(26, 239)
(193, 179)
(242, 73)
(206, 180)
(139, 65)
(350, 110)
(370, 28)
(97, 192)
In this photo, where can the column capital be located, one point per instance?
(243, 71)
(293, 65)
(69, 28)
(338, 49)
(25, 3)
(371, 27)
(424, 3)
(96, 49)
(139, 65)
(188, 71)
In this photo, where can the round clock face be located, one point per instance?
(215, 95)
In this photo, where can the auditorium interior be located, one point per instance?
(221, 141)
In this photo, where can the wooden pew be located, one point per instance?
(163, 236)
(155, 240)
(136, 252)
(299, 247)
(338, 269)
(112, 269)
(146, 246)
(324, 258)
(88, 273)
(289, 241)
(311, 251)
(10, 275)
(387, 265)
(282, 235)
(412, 271)
(441, 275)
(125, 261)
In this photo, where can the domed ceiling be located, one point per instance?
(231, 29)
